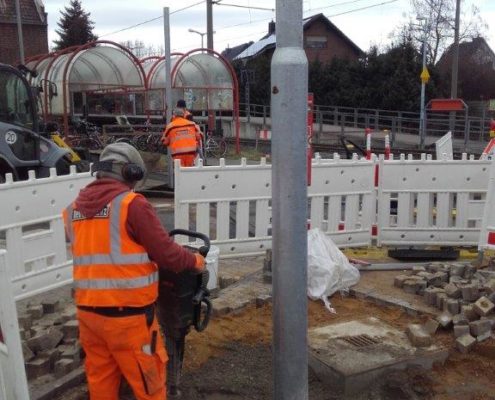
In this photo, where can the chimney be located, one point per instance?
(271, 27)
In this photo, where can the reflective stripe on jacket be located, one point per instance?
(110, 268)
(181, 136)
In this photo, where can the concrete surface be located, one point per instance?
(350, 356)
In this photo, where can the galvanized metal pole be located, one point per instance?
(209, 24)
(289, 72)
(19, 31)
(455, 56)
(168, 88)
(422, 117)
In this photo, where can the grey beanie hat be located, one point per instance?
(120, 154)
(178, 112)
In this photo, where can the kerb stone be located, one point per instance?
(418, 336)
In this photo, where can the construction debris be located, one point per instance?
(465, 296)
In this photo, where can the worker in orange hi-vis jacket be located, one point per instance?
(118, 244)
(183, 138)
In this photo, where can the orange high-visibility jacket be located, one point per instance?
(110, 268)
(181, 136)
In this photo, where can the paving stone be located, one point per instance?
(468, 311)
(469, 271)
(224, 282)
(37, 367)
(417, 269)
(490, 284)
(50, 306)
(491, 297)
(483, 307)
(470, 292)
(445, 319)
(441, 299)
(457, 269)
(452, 291)
(453, 306)
(71, 329)
(410, 286)
(52, 355)
(25, 335)
(63, 367)
(490, 318)
(25, 321)
(480, 327)
(418, 336)
(35, 311)
(400, 279)
(26, 351)
(424, 275)
(45, 340)
(460, 319)
(430, 296)
(461, 330)
(483, 337)
(431, 326)
(72, 352)
(464, 343)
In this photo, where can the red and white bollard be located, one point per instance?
(387, 147)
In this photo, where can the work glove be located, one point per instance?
(199, 266)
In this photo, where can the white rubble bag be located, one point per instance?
(329, 270)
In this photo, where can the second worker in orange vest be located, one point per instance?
(117, 245)
(183, 138)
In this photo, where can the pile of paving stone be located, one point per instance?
(464, 294)
(49, 336)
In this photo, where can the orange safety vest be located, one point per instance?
(110, 268)
(181, 135)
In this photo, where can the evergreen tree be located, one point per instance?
(75, 26)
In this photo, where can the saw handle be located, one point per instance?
(203, 250)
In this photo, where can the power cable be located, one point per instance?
(363, 8)
(152, 19)
(250, 7)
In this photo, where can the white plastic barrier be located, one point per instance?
(32, 225)
(232, 203)
(487, 235)
(431, 202)
(13, 381)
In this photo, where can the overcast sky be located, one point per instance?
(369, 26)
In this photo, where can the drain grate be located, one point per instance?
(361, 340)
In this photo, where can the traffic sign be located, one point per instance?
(425, 75)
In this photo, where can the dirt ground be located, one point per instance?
(231, 360)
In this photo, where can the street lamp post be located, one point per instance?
(422, 117)
(202, 34)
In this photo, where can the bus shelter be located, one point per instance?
(100, 77)
(203, 78)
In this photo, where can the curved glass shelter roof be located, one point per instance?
(204, 80)
(101, 67)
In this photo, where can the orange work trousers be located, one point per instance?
(186, 160)
(117, 346)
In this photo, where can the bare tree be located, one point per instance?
(140, 49)
(439, 17)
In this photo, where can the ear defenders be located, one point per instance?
(130, 172)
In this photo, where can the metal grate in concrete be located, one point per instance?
(361, 340)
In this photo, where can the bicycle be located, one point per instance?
(215, 147)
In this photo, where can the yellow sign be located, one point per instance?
(425, 75)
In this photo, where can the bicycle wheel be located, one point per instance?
(140, 142)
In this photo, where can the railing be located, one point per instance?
(331, 121)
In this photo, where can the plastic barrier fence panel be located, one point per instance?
(431, 202)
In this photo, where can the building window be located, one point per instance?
(316, 42)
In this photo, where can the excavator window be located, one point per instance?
(15, 105)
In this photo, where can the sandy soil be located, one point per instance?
(231, 360)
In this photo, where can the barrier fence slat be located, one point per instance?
(334, 213)
(223, 220)
(262, 218)
(203, 218)
(424, 216)
(242, 219)
(12, 371)
(317, 212)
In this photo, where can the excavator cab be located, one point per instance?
(22, 148)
